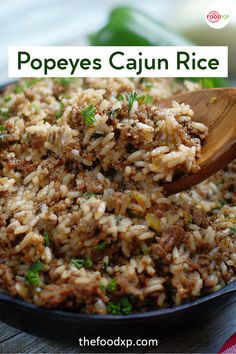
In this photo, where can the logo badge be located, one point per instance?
(217, 16)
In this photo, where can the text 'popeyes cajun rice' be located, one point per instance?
(83, 220)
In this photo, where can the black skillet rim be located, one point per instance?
(227, 289)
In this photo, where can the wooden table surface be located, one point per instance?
(205, 337)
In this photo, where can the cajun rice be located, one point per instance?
(84, 222)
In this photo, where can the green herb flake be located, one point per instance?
(36, 107)
(7, 99)
(88, 263)
(65, 81)
(190, 219)
(32, 82)
(46, 239)
(88, 195)
(89, 115)
(37, 266)
(146, 250)
(122, 307)
(126, 307)
(145, 99)
(131, 97)
(148, 85)
(2, 128)
(81, 262)
(58, 114)
(102, 286)
(113, 308)
(78, 263)
(18, 89)
(232, 230)
(121, 98)
(4, 112)
(101, 246)
(112, 285)
(32, 277)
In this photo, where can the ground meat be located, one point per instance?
(200, 218)
(93, 185)
(7, 279)
(37, 140)
(67, 295)
(22, 165)
(2, 219)
(53, 295)
(230, 187)
(4, 248)
(171, 238)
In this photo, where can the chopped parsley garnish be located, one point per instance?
(101, 246)
(232, 230)
(131, 97)
(81, 262)
(146, 250)
(32, 277)
(32, 82)
(65, 81)
(2, 128)
(36, 107)
(112, 285)
(67, 97)
(148, 84)
(37, 266)
(122, 307)
(102, 286)
(114, 308)
(7, 99)
(88, 195)
(58, 114)
(19, 89)
(126, 307)
(4, 112)
(145, 99)
(121, 97)
(89, 115)
(46, 239)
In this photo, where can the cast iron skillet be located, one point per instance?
(71, 325)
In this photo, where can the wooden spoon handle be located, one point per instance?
(216, 108)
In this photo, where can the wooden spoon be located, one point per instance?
(216, 108)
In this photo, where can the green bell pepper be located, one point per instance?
(130, 27)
